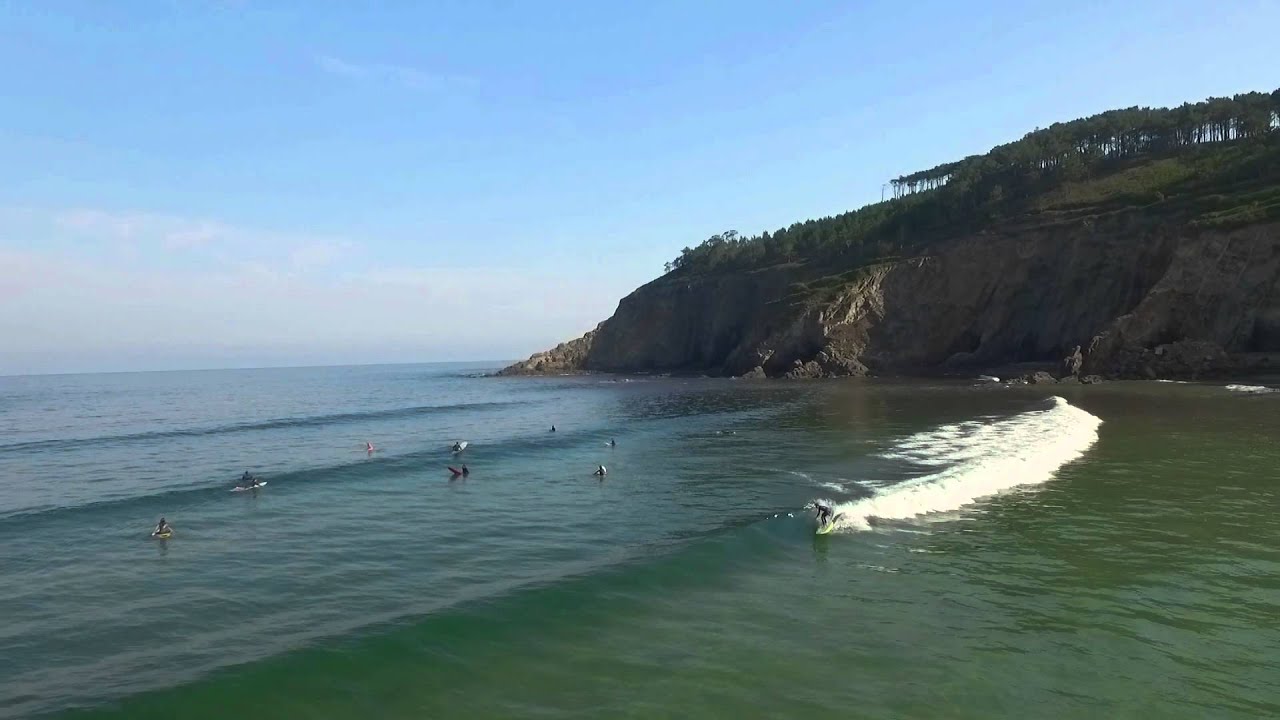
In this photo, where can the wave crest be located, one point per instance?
(981, 459)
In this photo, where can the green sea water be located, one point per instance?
(1100, 551)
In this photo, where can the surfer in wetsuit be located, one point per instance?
(457, 447)
(465, 471)
(368, 446)
(162, 527)
(553, 428)
(613, 443)
(601, 471)
(824, 513)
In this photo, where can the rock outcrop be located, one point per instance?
(1121, 297)
(1072, 363)
(565, 358)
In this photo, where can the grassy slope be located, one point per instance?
(1209, 187)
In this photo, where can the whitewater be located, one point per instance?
(977, 459)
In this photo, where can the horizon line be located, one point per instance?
(254, 367)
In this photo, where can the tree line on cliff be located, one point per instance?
(978, 189)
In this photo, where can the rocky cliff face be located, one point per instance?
(1141, 300)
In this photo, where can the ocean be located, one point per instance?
(1002, 552)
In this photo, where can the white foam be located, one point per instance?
(865, 484)
(989, 378)
(833, 486)
(1251, 388)
(981, 459)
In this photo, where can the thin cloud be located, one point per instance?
(335, 66)
(163, 239)
(65, 313)
(199, 234)
(119, 226)
(190, 288)
(167, 231)
(317, 254)
(404, 75)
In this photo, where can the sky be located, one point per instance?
(244, 183)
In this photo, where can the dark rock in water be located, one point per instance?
(1189, 359)
(755, 373)
(1092, 379)
(1041, 378)
(1069, 380)
(836, 362)
(804, 370)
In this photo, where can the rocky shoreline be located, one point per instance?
(1120, 299)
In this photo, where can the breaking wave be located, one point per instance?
(978, 459)
(1255, 389)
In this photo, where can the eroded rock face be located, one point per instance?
(1114, 299)
(1072, 363)
(569, 357)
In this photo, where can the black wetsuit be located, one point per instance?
(824, 515)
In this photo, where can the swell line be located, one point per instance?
(274, 424)
(432, 461)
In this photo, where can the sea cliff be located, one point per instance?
(1098, 248)
(1183, 302)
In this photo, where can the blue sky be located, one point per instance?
(191, 184)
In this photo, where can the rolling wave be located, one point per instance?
(273, 424)
(980, 459)
(1252, 389)
(433, 458)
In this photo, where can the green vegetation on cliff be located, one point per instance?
(1213, 163)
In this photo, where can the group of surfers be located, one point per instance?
(459, 446)
(249, 482)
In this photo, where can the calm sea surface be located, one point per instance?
(1075, 552)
